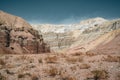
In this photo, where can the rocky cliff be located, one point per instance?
(92, 33)
(100, 39)
(85, 32)
(63, 36)
(17, 36)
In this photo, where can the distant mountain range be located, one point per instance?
(44, 28)
(65, 36)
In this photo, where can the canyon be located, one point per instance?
(88, 50)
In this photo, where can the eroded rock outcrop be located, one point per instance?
(101, 39)
(18, 36)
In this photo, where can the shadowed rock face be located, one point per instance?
(18, 36)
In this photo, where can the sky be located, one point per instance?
(61, 11)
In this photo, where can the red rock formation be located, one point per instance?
(18, 36)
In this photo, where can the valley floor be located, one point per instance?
(59, 66)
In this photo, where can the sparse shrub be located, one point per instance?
(74, 59)
(2, 62)
(31, 60)
(77, 54)
(21, 75)
(2, 77)
(71, 59)
(73, 68)
(34, 77)
(51, 59)
(9, 72)
(90, 53)
(100, 74)
(2, 22)
(112, 58)
(69, 78)
(53, 71)
(118, 76)
(40, 60)
(10, 66)
(84, 66)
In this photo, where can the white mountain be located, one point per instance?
(44, 28)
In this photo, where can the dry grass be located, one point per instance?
(2, 77)
(40, 60)
(90, 53)
(2, 22)
(24, 58)
(23, 75)
(77, 54)
(84, 66)
(110, 58)
(118, 76)
(73, 68)
(2, 62)
(10, 65)
(34, 77)
(51, 59)
(68, 78)
(100, 74)
(74, 59)
(52, 71)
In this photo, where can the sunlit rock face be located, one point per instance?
(63, 36)
(19, 37)
(66, 36)
(100, 39)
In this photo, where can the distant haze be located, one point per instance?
(61, 11)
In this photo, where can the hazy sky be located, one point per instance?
(61, 11)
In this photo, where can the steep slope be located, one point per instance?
(110, 43)
(19, 36)
(105, 44)
(93, 33)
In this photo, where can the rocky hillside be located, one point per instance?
(92, 33)
(17, 36)
(102, 38)
(65, 36)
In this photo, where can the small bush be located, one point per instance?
(2, 22)
(112, 58)
(77, 54)
(90, 53)
(52, 71)
(9, 72)
(100, 74)
(74, 59)
(69, 78)
(84, 66)
(30, 60)
(73, 68)
(51, 59)
(34, 77)
(21, 75)
(2, 62)
(2, 77)
(40, 60)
